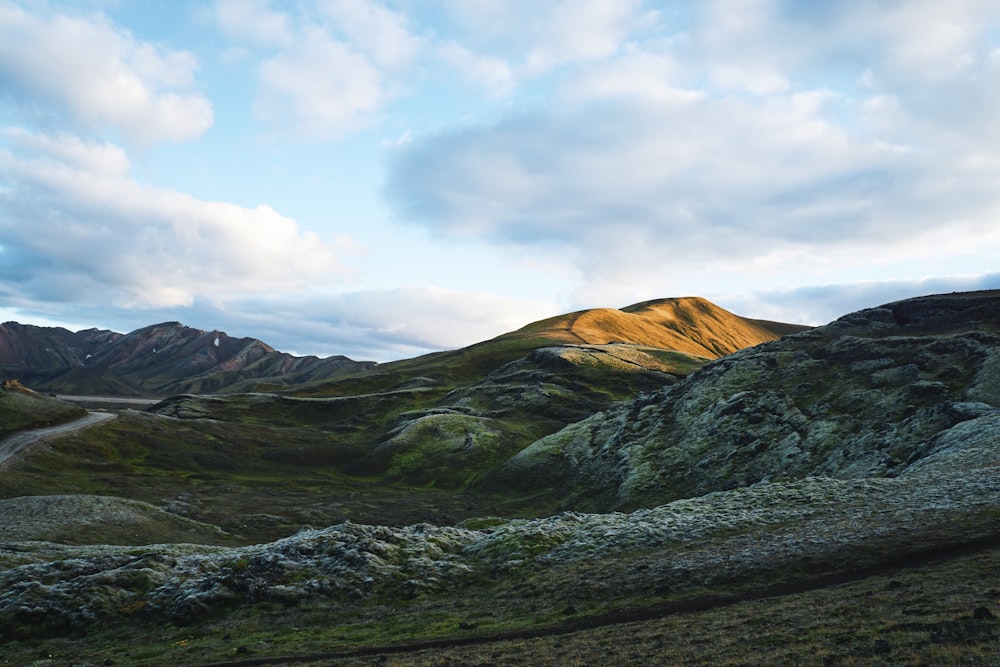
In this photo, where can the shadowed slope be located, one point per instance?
(157, 360)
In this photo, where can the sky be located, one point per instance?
(380, 179)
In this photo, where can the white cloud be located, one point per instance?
(71, 151)
(380, 33)
(502, 46)
(320, 87)
(101, 76)
(710, 155)
(327, 67)
(71, 232)
(581, 31)
(253, 21)
(936, 39)
(678, 171)
(492, 74)
(636, 74)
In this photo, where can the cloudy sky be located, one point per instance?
(381, 178)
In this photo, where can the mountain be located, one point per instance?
(30, 347)
(828, 497)
(691, 325)
(170, 358)
(445, 419)
(157, 360)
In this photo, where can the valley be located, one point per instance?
(669, 465)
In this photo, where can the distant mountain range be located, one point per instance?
(158, 360)
(170, 358)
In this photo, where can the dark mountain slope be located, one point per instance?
(90, 380)
(171, 358)
(882, 392)
(24, 346)
(157, 360)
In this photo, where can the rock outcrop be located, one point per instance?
(884, 392)
(729, 540)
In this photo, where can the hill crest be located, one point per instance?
(692, 325)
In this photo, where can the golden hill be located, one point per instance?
(692, 325)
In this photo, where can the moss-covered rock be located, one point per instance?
(866, 396)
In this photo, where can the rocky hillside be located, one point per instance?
(859, 449)
(158, 360)
(899, 390)
(445, 419)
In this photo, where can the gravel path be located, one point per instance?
(13, 444)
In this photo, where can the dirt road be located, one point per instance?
(109, 401)
(17, 442)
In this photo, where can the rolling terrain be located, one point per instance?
(827, 497)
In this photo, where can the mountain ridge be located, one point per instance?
(155, 360)
(171, 358)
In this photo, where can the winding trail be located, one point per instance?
(18, 442)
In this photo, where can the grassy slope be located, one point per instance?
(21, 409)
(72, 519)
(918, 615)
(924, 607)
(258, 481)
(263, 465)
(924, 614)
